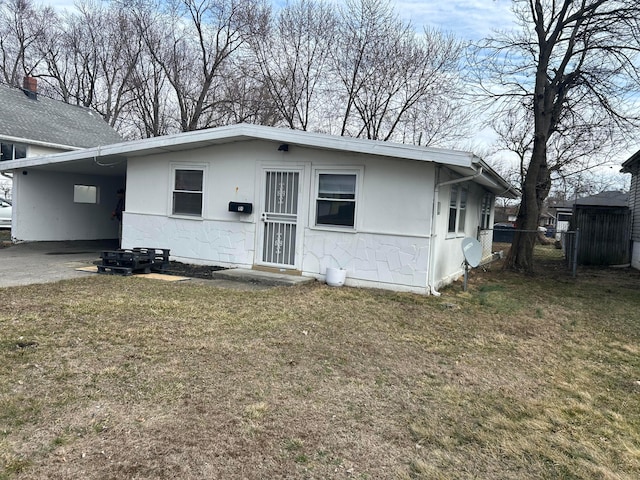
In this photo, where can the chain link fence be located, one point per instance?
(551, 249)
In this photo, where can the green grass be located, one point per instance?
(520, 377)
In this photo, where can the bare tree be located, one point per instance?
(90, 59)
(191, 41)
(573, 65)
(293, 55)
(22, 25)
(389, 77)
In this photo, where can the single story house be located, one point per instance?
(632, 166)
(393, 215)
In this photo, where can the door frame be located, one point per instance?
(301, 220)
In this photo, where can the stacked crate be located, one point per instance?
(136, 260)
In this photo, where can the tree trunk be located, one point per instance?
(536, 186)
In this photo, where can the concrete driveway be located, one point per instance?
(44, 262)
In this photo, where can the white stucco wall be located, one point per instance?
(46, 210)
(449, 265)
(389, 246)
(635, 255)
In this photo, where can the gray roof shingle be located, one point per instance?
(51, 121)
(605, 199)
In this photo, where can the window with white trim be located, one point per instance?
(12, 151)
(336, 198)
(458, 208)
(485, 212)
(188, 188)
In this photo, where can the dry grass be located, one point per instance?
(124, 378)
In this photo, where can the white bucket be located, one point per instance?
(335, 276)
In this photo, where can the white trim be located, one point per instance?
(173, 166)
(463, 162)
(30, 142)
(358, 171)
(301, 169)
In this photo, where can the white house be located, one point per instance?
(392, 215)
(632, 166)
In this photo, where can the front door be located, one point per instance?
(280, 217)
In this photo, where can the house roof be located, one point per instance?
(111, 159)
(47, 122)
(630, 162)
(605, 199)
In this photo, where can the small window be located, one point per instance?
(12, 151)
(187, 192)
(462, 209)
(85, 194)
(336, 200)
(457, 209)
(453, 209)
(485, 214)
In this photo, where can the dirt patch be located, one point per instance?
(192, 271)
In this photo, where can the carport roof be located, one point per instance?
(111, 159)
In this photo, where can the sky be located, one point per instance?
(469, 20)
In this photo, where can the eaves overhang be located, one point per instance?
(112, 159)
(627, 166)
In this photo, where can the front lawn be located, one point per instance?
(520, 377)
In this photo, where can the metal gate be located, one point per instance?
(280, 217)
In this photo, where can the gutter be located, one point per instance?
(461, 180)
(25, 141)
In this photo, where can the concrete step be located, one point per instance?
(260, 277)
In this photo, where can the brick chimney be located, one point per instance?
(30, 87)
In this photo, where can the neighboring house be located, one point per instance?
(558, 215)
(603, 222)
(506, 213)
(33, 125)
(632, 166)
(394, 216)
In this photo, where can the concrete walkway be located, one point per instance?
(45, 262)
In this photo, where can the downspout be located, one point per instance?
(434, 215)
(432, 242)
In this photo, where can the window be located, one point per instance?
(85, 194)
(12, 151)
(485, 213)
(457, 209)
(453, 208)
(187, 192)
(336, 199)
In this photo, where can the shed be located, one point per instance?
(604, 222)
(392, 215)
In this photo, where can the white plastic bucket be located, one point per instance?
(335, 277)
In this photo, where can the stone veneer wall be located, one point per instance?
(195, 241)
(376, 260)
(372, 260)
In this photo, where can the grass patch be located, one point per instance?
(520, 377)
